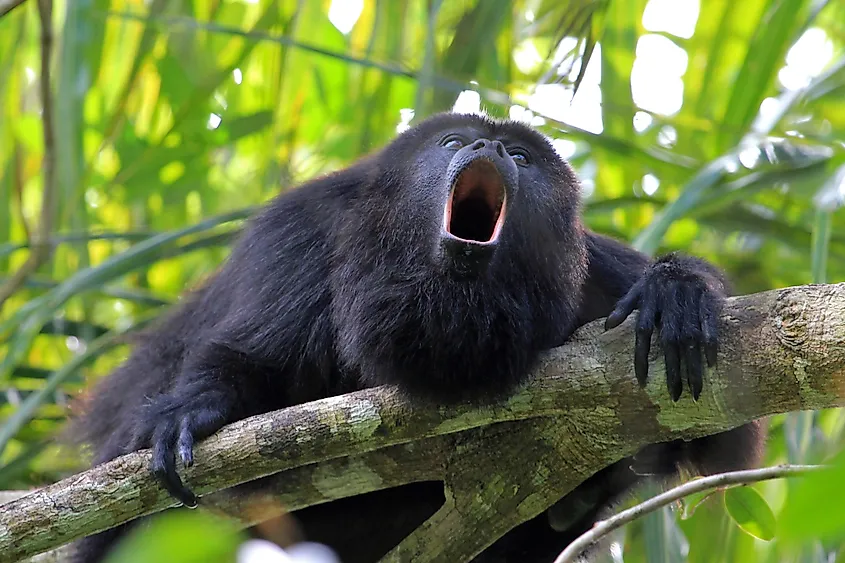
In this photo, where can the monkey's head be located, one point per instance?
(465, 188)
(464, 244)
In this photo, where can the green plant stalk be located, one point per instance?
(30, 406)
(27, 321)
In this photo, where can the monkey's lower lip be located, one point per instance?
(475, 210)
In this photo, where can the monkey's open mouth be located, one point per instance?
(476, 208)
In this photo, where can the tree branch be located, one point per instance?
(40, 247)
(605, 527)
(502, 463)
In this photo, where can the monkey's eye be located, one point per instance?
(520, 156)
(452, 142)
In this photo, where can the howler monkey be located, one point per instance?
(444, 263)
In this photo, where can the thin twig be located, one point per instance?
(7, 6)
(40, 247)
(605, 527)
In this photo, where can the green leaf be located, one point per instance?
(764, 56)
(9, 247)
(711, 174)
(28, 320)
(813, 509)
(21, 464)
(28, 408)
(751, 512)
(693, 501)
(184, 536)
(664, 540)
(821, 245)
(244, 125)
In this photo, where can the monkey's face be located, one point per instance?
(474, 191)
(481, 182)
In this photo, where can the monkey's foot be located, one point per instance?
(175, 422)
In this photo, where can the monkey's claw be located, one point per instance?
(177, 422)
(164, 459)
(683, 301)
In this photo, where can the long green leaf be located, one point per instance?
(821, 244)
(649, 239)
(28, 408)
(43, 308)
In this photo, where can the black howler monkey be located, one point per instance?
(445, 263)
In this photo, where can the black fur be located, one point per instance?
(350, 281)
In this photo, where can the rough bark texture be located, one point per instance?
(501, 463)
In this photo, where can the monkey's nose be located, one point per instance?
(493, 145)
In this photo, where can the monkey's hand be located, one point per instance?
(172, 423)
(682, 297)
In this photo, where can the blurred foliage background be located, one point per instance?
(715, 126)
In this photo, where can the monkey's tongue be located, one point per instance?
(476, 208)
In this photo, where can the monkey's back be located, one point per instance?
(285, 244)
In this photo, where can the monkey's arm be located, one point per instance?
(681, 297)
(678, 295)
(267, 344)
(208, 393)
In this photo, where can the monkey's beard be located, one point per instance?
(452, 339)
(476, 208)
(403, 317)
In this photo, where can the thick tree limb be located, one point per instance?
(501, 463)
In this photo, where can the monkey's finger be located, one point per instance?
(673, 370)
(645, 328)
(164, 464)
(690, 336)
(695, 378)
(672, 327)
(709, 329)
(625, 306)
(186, 442)
(199, 424)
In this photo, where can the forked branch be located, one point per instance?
(502, 464)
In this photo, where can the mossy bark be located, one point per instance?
(501, 463)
